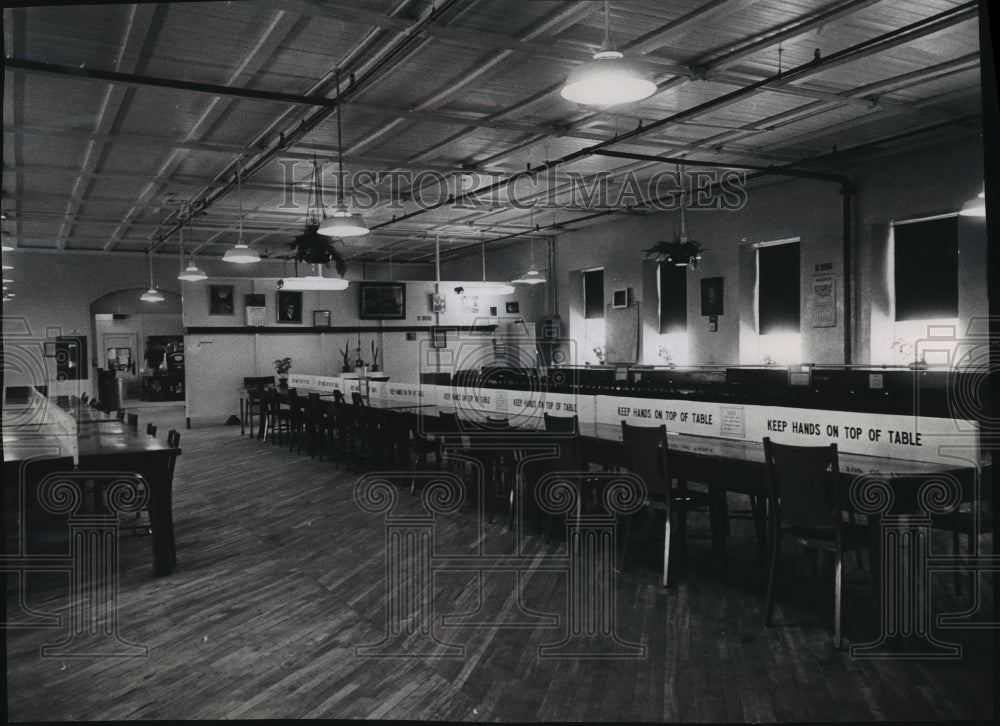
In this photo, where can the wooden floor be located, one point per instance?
(282, 576)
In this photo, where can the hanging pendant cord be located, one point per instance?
(239, 197)
(340, 149)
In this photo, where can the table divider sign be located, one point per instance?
(919, 438)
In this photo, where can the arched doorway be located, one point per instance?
(141, 344)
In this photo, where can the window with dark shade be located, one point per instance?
(926, 261)
(593, 294)
(672, 281)
(778, 288)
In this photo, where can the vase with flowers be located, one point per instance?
(281, 368)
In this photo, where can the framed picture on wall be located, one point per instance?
(289, 306)
(512, 307)
(711, 295)
(382, 301)
(321, 318)
(220, 300)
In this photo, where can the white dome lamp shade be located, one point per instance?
(608, 79)
(240, 253)
(342, 222)
(152, 295)
(532, 276)
(975, 207)
(191, 273)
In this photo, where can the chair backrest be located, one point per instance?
(338, 397)
(132, 419)
(173, 438)
(40, 530)
(562, 424)
(802, 481)
(121, 414)
(250, 382)
(151, 429)
(357, 399)
(85, 397)
(646, 451)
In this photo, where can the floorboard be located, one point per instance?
(281, 576)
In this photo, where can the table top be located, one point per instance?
(39, 427)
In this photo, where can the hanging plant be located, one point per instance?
(678, 252)
(681, 251)
(310, 246)
(316, 248)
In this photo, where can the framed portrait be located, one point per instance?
(321, 318)
(437, 303)
(512, 307)
(711, 296)
(619, 298)
(439, 338)
(220, 300)
(381, 300)
(289, 306)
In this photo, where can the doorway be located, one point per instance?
(125, 329)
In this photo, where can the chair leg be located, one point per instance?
(769, 608)
(955, 543)
(666, 549)
(839, 595)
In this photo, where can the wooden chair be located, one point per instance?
(647, 455)
(805, 504)
(255, 404)
(972, 519)
(278, 418)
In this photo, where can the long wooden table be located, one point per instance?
(96, 443)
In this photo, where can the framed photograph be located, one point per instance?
(437, 303)
(711, 296)
(321, 318)
(512, 307)
(382, 300)
(619, 298)
(439, 338)
(220, 300)
(289, 306)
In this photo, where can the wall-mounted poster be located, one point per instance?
(512, 307)
(824, 302)
(711, 295)
(256, 306)
(220, 300)
(321, 318)
(289, 306)
(437, 303)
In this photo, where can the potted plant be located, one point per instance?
(310, 246)
(281, 367)
(345, 354)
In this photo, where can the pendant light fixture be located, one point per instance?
(487, 287)
(608, 79)
(532, 276)
(152, 294)
(192, 273)
(342, 222)
(975, 207)
(240, 253)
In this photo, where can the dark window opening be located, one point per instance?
(673, 298)
(593, 294)
(926, 264)
(778, 288)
